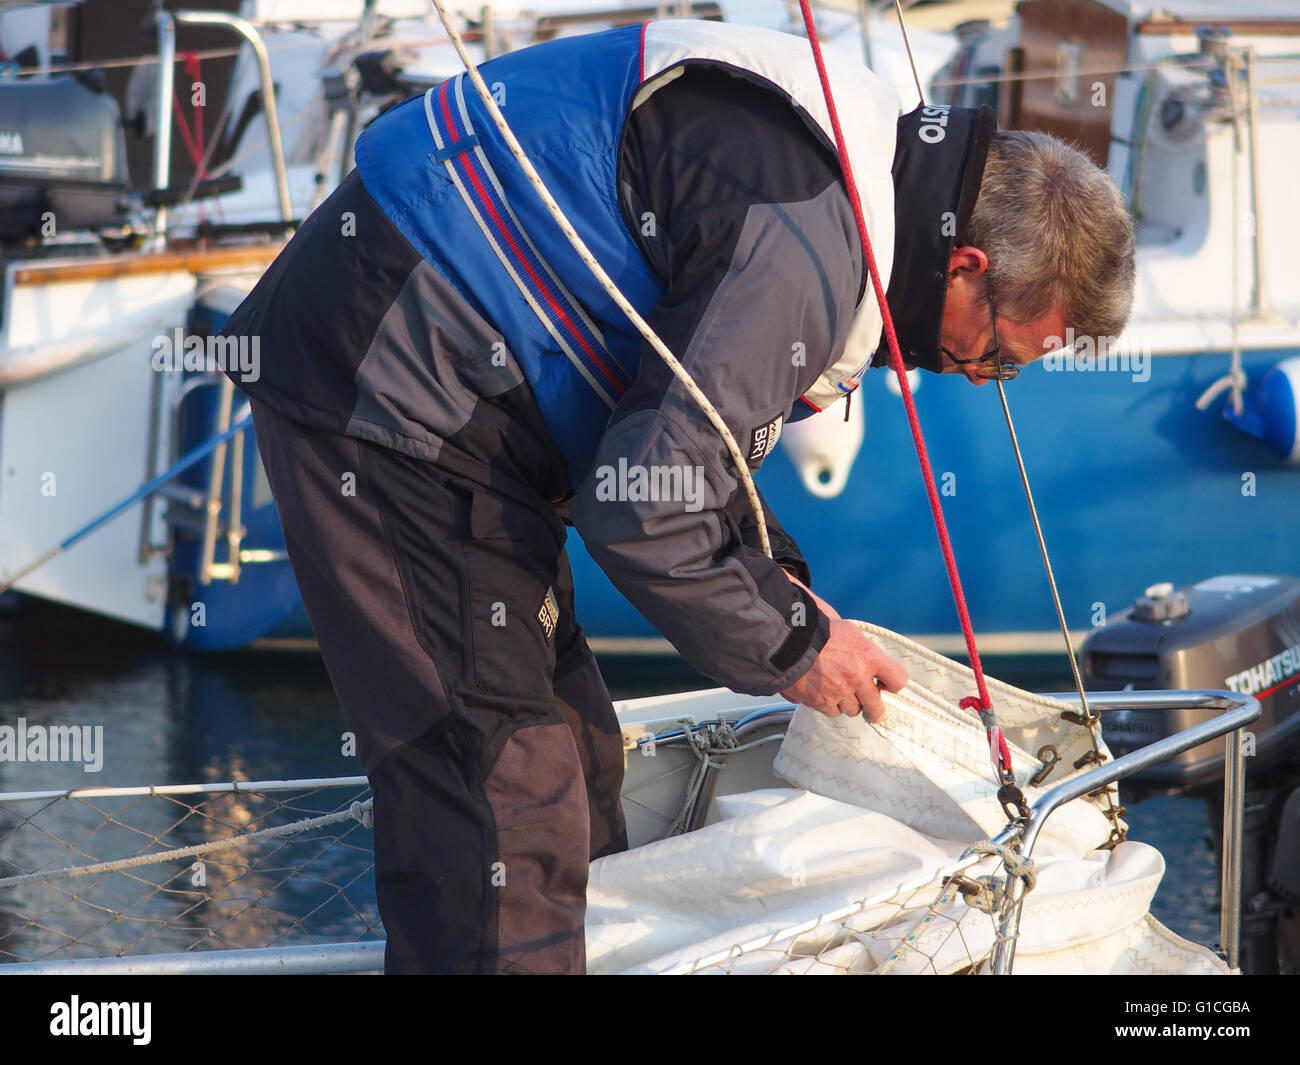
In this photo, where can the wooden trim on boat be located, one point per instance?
(192, 260)
(1261, 27)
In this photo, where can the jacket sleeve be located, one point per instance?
(785, 551)
(763, 273)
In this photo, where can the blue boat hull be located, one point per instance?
(1133, 485)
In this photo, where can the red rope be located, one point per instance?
(190, 147)
(896, 360)
(194, 70)
(193, 142)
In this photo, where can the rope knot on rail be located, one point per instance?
(363, 812)
(1016, 865)
(983, 893)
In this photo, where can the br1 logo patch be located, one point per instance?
(548, 613)
(763, 439)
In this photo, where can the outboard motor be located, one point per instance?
(1240, 633)
(62, 159)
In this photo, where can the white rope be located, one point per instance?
(1234, 381)
(994, 736)
(1017, 865)
(584, 253)
(360, 811)
(230, 787)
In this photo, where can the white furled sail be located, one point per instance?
(845, 872)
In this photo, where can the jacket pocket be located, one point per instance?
(511, 562)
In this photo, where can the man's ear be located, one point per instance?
(967, 259)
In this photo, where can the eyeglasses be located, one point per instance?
(992, 367)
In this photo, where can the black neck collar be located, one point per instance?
(938, 166)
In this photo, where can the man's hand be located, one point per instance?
(848, 675)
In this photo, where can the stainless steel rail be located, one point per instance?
(366, 956)
(1238, 711)
(212, 505)
(166, 25)
(162, 135)
(249, 32)
(678, 735)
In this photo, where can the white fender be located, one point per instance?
(1270, 410)
(824, 447)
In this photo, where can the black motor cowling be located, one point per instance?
(62, 158)
(1240, 633)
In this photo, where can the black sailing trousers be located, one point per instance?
(443, 606)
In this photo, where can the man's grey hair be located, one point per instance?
(1056, 231)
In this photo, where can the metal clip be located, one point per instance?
(1013, 802)
(1049, 756)
(1113, 810)
(985, 893)
(964, 884)
(1089, 758)
(1079, 719)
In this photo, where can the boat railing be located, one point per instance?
(165, 22)
(170, 909)
(1238, 711)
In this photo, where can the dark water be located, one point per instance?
(169, 718)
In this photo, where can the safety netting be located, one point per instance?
(112, 872)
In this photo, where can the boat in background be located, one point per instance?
(1135, 482)
(113, 298)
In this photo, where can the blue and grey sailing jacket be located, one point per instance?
(441, 170)
(433, 306)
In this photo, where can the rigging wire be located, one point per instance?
(1047, 562)
(902, 27)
